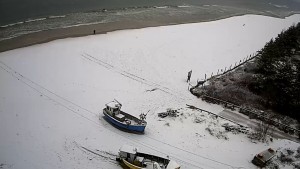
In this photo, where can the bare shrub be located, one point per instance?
(286, 158)
(297, 166)
(199, 120)
(261, 132)
(216, 132)
(273, 165)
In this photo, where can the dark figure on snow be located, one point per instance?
(189, 76)
(94, 32)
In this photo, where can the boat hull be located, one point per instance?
(128, 127)
(131, 166)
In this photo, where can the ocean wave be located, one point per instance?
(183, 6)
(161, 7)
(19, 34)
(29, 32)
(22, 22)
(11, 24)
(85, 24)
(279, 6)
(34, 20)
(164, 7)
(56, 16)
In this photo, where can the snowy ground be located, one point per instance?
(52, 95)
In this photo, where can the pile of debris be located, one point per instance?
(170, 113)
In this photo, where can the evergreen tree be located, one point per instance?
(278, 72)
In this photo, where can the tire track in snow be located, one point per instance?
(132, 76)
(102, 154)
(75, 108)
(46, 93)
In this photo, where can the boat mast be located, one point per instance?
(118, 102)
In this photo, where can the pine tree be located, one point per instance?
(278, 72)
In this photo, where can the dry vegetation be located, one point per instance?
(234, 87)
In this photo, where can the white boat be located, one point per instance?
(131, 158)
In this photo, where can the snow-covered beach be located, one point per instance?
(52, 95)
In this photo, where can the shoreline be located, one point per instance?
(103, 28)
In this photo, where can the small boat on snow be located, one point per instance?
(131, 158)
(123, 120)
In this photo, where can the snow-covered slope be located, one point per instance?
(52, 95)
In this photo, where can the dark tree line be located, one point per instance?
(277, 77)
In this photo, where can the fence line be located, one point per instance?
(216, 115)
(242, 62)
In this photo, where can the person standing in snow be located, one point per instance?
(189, 76)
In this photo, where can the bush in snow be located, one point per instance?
(198, 120)
(273, 165)
(286, 159)
(287, 156)
(297, 165)
(216, 131)
(235, 129)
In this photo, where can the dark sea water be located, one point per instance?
(19, 17)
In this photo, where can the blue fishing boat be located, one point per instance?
(120, 119)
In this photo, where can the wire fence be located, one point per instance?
(230, 68)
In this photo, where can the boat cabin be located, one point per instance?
(113, 109)
(128, 152)
(263, 157)
(113, 106)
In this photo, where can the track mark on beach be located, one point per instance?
(132, 76)
(110, 157)
(52, 96)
